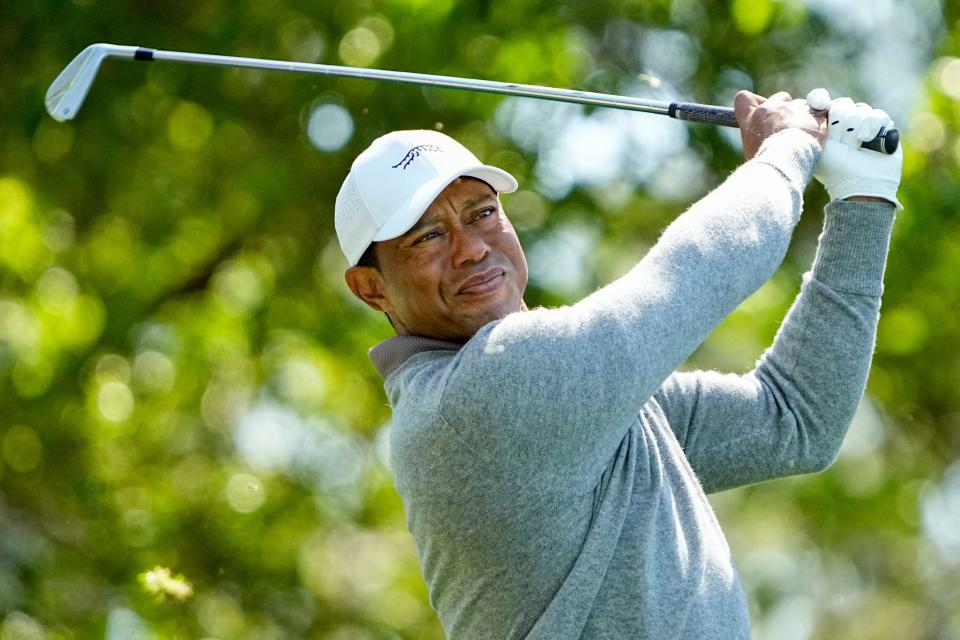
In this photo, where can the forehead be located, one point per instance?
(462, 192)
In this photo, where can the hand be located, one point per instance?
(848, 171)
(760, 118)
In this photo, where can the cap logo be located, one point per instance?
(414, 153)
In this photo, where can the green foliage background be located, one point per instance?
(170, 284)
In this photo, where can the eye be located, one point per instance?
(430, 235)
(485, 213)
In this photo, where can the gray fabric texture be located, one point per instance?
(554, 468)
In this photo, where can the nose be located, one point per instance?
(468, 246)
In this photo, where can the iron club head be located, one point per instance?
(69, 89)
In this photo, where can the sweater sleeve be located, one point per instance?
(790, 414)
(556, 390)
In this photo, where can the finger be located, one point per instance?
(744, 103)
(839, 108)
(819, 99)
(852, 122)
(748, 97)
(781, 96)
(839, 112)
(871, 125)
(887, 121)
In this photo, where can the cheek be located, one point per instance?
(418, 281)
(510, 245)
(522, 267)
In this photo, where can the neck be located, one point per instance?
(402, 329)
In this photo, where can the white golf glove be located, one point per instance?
(845, 169)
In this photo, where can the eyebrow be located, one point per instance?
(423, 223)
(472, 202)
(467, 204)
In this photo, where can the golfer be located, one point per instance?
(553, 463)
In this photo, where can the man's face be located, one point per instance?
(457, 269)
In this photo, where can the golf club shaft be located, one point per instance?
(709, 114)
(423, 79)
(885, 142)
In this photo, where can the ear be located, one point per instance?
(367, 284)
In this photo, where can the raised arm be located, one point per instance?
(565, 384)
(791, 413)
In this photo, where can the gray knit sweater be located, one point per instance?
(554, 468)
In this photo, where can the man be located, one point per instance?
(553, 465)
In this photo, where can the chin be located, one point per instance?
(495, 312)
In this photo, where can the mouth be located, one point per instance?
(483, 283)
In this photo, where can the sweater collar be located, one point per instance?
(390, 354)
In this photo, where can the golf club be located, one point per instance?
(68, 91)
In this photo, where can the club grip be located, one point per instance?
(708, 114)
(886, 141)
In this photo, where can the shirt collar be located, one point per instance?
(390, 354)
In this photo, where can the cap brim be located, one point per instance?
(403, 220)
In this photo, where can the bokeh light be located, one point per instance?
(302, 41)
(362, 45)
(926, 132)
(941, 514)
(570, 275)
(115, 401)
(20, 626)
(22, 449)
(245, 493)
(154, 371)
(125, 624)
(949, 76)
(329, 127)
(359, 47)
(269, 437)
(189, 126)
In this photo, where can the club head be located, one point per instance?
(69, 89)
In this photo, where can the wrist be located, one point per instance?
(860, 189)
(793, 152)
(853, 247)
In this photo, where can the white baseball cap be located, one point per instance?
(395, 179)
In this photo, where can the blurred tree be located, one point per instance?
(192, 441)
